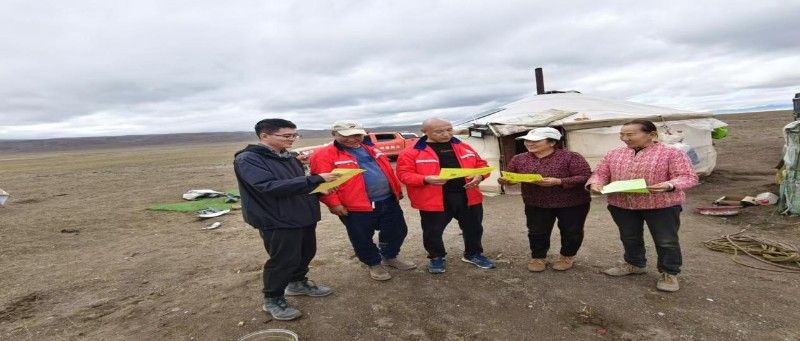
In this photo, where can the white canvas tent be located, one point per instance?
(590, 125)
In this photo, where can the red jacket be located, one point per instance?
(353, 193)
(420, 160)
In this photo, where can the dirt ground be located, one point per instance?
(80, 258)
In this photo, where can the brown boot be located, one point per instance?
(379, 273)
(536, 265)
(563, 263)
(667, 282)
(399, 264)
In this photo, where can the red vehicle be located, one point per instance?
(390, 143)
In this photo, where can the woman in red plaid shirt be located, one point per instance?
(668, 173)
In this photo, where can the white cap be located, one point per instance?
(348, 128)
(539, 134)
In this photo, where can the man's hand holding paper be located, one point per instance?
(335, 178)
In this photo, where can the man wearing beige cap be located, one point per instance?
(367, 202)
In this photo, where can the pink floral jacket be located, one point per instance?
(656, 163)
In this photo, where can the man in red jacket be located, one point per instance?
(440, 200)
(367, 202)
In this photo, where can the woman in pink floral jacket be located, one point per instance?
(668, 173)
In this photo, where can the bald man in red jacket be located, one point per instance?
(440, 200)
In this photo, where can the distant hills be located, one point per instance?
(103, 142)
(107, 142)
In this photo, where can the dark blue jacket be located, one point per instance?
(275, 189)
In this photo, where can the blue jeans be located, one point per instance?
(663, 224)
(387, 218)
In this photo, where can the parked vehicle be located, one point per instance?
(390, 143)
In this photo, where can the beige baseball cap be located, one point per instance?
(348, 128)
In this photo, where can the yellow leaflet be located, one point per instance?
(519, 177)
(626, 186)
(346, 173)
(452, 173)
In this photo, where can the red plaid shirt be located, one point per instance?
(655, 164)
(570, 167)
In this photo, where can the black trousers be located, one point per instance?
(469, 219)
(290, 251)
(540, 223)
(663, 224)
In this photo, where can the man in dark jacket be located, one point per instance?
(276, 201)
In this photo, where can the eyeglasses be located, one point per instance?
(287, 136)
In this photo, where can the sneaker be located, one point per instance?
(624, 270)
(398, 264)
(668, 282)
(379, 273)
(307, 288)
(279, 309)
(437, 265)
(536, 265)
(564, 263)
(479, 260)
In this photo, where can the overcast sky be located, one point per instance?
(93, 68)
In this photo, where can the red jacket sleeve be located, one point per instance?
(480, 162)
(407, 168)
(321, 162)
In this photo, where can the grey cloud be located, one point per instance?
(158, 67)
(758, 27)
